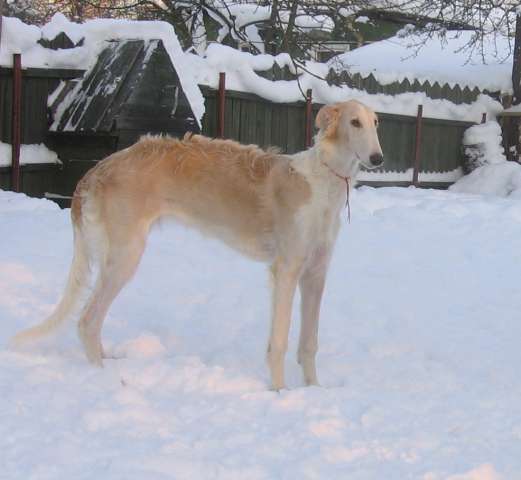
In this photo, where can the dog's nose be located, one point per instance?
(376, 159)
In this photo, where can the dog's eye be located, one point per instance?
(356, 123)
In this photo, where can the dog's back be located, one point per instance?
(238, 193)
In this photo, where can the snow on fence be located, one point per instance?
(435, 148)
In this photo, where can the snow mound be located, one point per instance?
(19, 202)
(502, 179)
(483, 472)
(483, 145)
(144, 346)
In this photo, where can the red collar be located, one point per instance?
(345, 179)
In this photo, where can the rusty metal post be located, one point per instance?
(484, 117)
(221, 97)
(309, 117)
(417, 146)
(1, 22)
(16, 122)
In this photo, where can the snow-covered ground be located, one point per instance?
(419, 354)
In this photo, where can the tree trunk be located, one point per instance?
(516, 66)
(269, 40)
(512, 123)
(287, 42)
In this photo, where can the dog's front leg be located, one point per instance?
(312, 284)
(285, 278)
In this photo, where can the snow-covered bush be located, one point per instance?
(482, 146)
(490, 172)
(502, 179)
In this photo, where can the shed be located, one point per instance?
(132, 89)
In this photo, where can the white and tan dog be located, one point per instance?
(279, 209)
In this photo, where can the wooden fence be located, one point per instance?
(35, 85)
(246, 118)
(252, 119)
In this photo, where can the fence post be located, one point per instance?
(221, 97)
(1, 22)
(484, 117)
(417, 146)
(16, 130)
(309, 117)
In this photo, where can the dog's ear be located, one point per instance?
(327, 120)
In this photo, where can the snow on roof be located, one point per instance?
(444, 61)
(17, 37)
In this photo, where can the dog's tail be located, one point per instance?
(77, 284)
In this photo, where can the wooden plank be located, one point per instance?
(243, 115)
(228, 117)
(221, 99)
(60, 73)
(417, 146)
(250, 125)
(236, 119)
(16, 122)
(34, 110)
(154, 125)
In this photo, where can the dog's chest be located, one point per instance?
(319, 219)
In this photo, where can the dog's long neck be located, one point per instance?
(327, 161)
(332, 174)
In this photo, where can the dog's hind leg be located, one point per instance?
(119, 264)
(285, 277)
(312, 284)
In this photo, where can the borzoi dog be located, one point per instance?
(280, 209)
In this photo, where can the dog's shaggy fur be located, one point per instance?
(279, 209)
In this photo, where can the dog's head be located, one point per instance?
(350, 129)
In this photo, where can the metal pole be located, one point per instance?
(16, 121)
(221, 97)
(309, 117)
(417, 146)
(1, 21)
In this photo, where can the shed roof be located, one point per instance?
(449, 60)
(132, 85)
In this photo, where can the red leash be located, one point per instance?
(345, 179)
